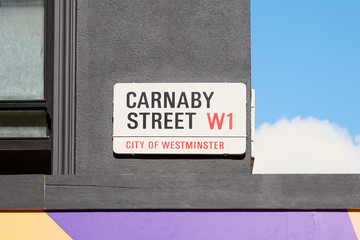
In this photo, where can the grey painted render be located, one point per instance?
(22, 192)
(154, 41)
(180, 191)
(200, 191)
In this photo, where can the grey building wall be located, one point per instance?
(154, 41)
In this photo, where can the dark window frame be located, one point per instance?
(59, 88)
(36, 143)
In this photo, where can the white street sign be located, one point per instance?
(179, 118)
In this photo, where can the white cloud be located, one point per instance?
(357, 139)
(305, 146)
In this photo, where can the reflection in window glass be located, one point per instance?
(22, 49)
(23, 124)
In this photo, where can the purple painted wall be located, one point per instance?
(260, 225)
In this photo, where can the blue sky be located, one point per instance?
(306, 60)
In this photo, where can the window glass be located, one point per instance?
(22, 50)
(23, 124)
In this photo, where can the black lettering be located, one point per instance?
(208, 98)
(195, 100)
(168, 100)
(143, 101)
(190, 118)
(167, 120)
(144, 114)
(155, 99)
(132, 120)
(128, 100)
(156, 118)
(178, 120)
(183, 100)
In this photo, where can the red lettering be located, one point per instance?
(230, 120)
(215, 118)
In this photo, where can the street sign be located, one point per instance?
(179, 118)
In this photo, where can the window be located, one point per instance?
(25, 87)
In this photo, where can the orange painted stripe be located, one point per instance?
(29, 225)
(354, 215)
